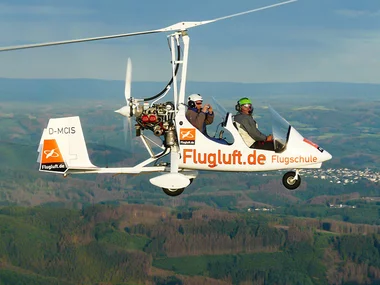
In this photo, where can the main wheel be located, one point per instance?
(173, 192)
(289, 181)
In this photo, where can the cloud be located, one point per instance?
(42, 10)
(357, 13)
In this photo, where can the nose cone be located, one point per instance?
(124, 111)
(326, 155)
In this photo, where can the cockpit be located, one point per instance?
(280, 131)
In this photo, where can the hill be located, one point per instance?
(52, 90)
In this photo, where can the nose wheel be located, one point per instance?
(291, 180)
(173, 192)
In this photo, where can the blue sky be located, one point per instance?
(309, 40)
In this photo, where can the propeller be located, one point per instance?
(128, 110)
(128, 137)
(181, 26)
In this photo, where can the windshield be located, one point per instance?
(280, 130)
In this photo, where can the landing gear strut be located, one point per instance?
(291, 180)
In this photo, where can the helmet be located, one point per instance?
(193, 98)
(242, 102)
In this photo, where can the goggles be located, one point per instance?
(247, 106)
(199, 102)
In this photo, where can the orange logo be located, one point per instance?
(50, 152)
(187, 136)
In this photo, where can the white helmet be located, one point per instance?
(195, 97)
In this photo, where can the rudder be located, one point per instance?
(63, 146)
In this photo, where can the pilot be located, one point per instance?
(248, 128)
(199, 116)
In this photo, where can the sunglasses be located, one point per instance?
(247, 106)
(198, 102)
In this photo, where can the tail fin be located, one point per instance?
(63, 147)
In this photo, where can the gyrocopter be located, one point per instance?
(63, 150)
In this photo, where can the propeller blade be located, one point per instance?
(125, 128)
(128, 138)
(127, 110)
(130, 134)
(128, 80)
(181, 26)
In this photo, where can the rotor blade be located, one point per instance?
(128, 80)
(79, 40)
(181, 26)
(251, 11)
(187, 25)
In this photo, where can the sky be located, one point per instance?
(304, 41)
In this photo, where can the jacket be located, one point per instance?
(248, 129)
(199, 119)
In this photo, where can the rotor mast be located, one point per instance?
(179, 91)
(186, 43)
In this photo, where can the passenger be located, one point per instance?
(248, 128)
(199, 116)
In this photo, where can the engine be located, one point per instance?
(159, 118)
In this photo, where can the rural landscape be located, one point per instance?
(226, 228)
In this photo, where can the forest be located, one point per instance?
(140, 244)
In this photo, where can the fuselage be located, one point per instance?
(199, 152)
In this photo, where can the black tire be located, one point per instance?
(173, 192)
(287, 180)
